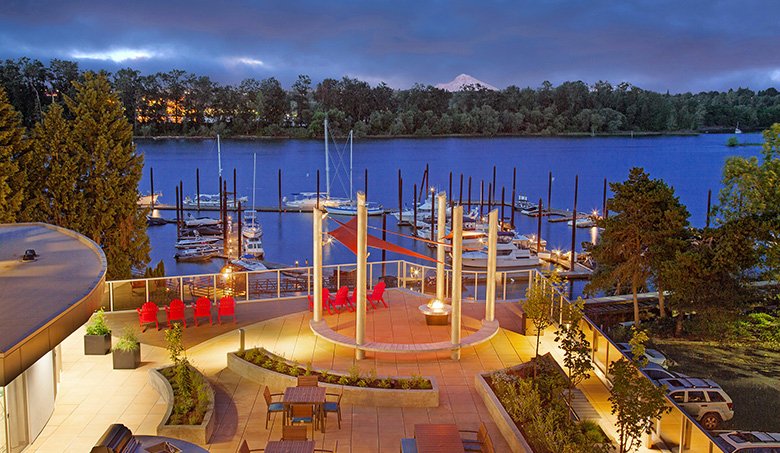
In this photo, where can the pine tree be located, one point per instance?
(11, 149)
(109, 170)
(52, 172)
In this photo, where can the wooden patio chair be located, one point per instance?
(273, 407)
(175, 311)
(333, 406)
(477, 444)
(202, 309)
(307, 381)
(303, 413)
(342, 299)
(377, 295)
(227, 307)
(292, 432)
(147, 313)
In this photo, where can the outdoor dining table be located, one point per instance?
(290, 446)
(304, 395)
(433, 438)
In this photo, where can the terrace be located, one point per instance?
(92, 395)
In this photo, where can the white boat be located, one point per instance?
(351, 209)
(253, 248)
(196, 241)
(198, 254)
(193, 222)
(248, 264)
(583, 222)
(146, 200)
(522, 203)
(737, 130)
(508, 255)
(308, 200)
(208, 200)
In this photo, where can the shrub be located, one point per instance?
(354, 374)
(128, 341)
(97, 324)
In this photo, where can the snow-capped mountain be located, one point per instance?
(464, 80)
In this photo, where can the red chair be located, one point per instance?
(341, 299)
(325, 301)
(174, 311)
(147, 314)
(227, 307)
(353, 299)
(202, 308)
(378, 294)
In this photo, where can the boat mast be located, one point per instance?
(219, 158)
(327, 165)
(254, 177)
(350, 165)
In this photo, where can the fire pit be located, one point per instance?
(436, 312)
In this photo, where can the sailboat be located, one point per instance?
(250, 227)
(212, 200)
(737, 130)
(350, 207)
(309, 200)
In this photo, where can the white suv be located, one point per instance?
(703, 399)
(749, 442)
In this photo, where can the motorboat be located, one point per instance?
(206, 200)
(209, 230)
(351, 208)
(146, 200)
(508, 255)
(152, 220)
(193, 222)
(197, 254)
(196, 241)
(583, 222)
(249, 264)
(522, 203)
(308, 200)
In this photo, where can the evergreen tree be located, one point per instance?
(109, 171)
(11, 149)
(52, 173)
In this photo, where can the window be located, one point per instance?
(678, 397)
(695, 396)
(716, 397)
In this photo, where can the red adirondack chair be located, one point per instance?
(174, 311)
(377, 295)
(202, 308)
(325, 301)
(147, 314)
(353, 299)
(227, 307)
(342, 299)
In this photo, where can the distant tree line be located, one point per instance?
(179, 103)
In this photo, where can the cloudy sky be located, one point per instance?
(675, 45)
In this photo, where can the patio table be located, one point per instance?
(290, 446)
(432, 438)
(305, 395)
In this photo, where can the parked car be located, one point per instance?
(749, 442)
(703, 399)
(652, 355)
(656, 372)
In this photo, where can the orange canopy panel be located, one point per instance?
(347, 235)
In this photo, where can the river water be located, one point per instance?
(692, 165)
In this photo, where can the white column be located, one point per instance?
(440, 247)
(317, 263)
(362, 258)
(490, 298)
(457, 267)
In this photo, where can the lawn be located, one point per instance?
(749, 375)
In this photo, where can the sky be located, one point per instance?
(660, 45)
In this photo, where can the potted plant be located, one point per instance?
(97, 341)
(127, 350)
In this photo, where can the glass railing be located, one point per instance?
(676, 428)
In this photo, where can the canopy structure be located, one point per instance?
(347, 235)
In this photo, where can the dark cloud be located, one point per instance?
(656, 44)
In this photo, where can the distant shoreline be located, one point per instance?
(387, 137)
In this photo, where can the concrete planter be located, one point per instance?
(356, 396)
(126, 360)
(97, 344)
(198, 434)
(503, 421)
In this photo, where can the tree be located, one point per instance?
(538, 305)
(11, 147)
(109, 171)
(301, 89)
(575, 345)
(635, 400)
(751, 192)
(648, 218)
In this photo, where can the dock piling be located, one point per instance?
(151, 182)
(573, 254)
(197, 186)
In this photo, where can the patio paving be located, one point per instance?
(92, 395)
